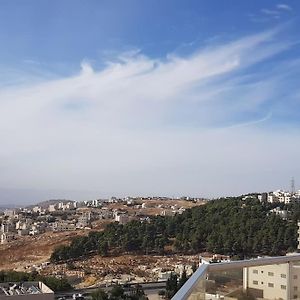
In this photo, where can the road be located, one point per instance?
(148, 287)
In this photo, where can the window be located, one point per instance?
(270, 284)
(283, 287)
(255, 271)
(283, 275)
(295, 297)
(295, 277)
(255, 282)
(295, 288)
(270, 273)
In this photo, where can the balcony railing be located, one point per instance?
(261, 278)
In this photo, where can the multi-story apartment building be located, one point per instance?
(279, 196)
(6, 227)
(84, 221)
(63, 226)
(270, 278)
(282, 280)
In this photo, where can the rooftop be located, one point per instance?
(23, 288)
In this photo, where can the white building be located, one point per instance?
(280, 212)
(279, 196)
(269, 278)
(84, 221)
(7, 227)
(282, 280)
(122, 218)
(63, 226)
(10, 213)
(25, 291)
(52, 207)
(6, 237)
(167, 212)
(37, 209)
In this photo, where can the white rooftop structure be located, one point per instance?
(25, 291)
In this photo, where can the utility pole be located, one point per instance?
(293, 190)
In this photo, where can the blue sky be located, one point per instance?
(102, 98)
(64, 32)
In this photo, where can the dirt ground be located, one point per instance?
(124, 268)
(28, 251)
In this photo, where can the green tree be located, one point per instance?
(183, 278)
(103, 248)
(99, 295)
(117, 292)
(171, 286)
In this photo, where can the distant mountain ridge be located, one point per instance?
(6, 206)
(45, 204)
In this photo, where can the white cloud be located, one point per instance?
(86, 69)
(270, 12)
(284, 7)
(267, 15)
(149, 126)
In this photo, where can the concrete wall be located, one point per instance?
(280, 281)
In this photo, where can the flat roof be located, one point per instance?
(23, 288)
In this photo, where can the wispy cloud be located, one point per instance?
(284, 7)
(270, 12)
(253, 122)
(275, 13)
(142, 125)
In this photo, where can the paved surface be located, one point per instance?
(150, 288)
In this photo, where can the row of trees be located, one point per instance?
(118, 293)
(230, 226)
(174, 283)
(55, 284)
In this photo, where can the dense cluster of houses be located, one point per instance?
(58, 216)
(280, 196)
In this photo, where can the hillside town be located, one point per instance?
(67, 216)
(56, 222)
(26, 231)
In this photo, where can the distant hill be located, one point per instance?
(45, 204)
(233, 226)
(4, 207)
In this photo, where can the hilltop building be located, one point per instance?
(279, 196)
(84, 221)
(122, 218)
(6, 238)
